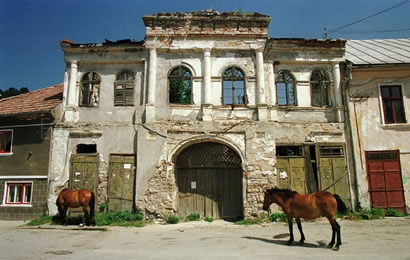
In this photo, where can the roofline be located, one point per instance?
(368, 65)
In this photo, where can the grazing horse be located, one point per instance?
(74, 199)
(310, 206)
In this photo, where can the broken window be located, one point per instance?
(124, 89)
(393, 108)
(285, 88)
(90, 89)
(320, 84)
(289, 151)
(233, 91)
(5, 141)
(180, 86)
(331, 151)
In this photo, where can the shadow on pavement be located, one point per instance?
(320, 244)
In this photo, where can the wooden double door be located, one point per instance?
(209, 180)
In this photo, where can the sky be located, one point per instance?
(30, 54)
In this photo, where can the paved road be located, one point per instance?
(377, 239)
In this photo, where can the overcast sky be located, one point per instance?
(30, 55)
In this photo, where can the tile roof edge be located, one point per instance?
(31, 92)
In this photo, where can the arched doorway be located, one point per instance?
(209, 180)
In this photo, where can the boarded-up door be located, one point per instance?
(291, 173)
(121, 185)
(209, 180)
(385, 182)
(84, 173)
(333, 174)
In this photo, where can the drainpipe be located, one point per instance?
(348, 121)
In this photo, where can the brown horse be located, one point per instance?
(74, 199)
(309, 206)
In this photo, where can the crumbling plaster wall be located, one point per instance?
(255, 142)
(368, 130)
(109, 139)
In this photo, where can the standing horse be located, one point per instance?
(74, 199)
(309, 206)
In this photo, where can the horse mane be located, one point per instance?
(287, 192)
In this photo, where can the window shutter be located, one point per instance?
(129, 93)
(118, 94)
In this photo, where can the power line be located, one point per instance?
(370, 16)
(378, 31)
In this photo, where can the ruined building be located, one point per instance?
(201, 117)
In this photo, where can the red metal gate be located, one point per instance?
(385, 182)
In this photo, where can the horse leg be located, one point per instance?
(63, 217)
(302, 236)
(339, 240)
(290, 223)
(334, 225)
(85, 217)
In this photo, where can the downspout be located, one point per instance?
(348, 121)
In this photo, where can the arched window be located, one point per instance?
(320, 84)
(90, 89)
(180, 86)
(233, 91)
(285, 89)
(124, 89)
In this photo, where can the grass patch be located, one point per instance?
(208, 219)
(41, 221)
(119, 218)
(172, 219)
(278, 217)
(251, 221)
(193, 217)
(394, 213)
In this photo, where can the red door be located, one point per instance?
(385, 182)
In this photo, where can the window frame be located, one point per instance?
(383, 108)
(284, 81)
(5, 153)
(280, 147)
(181, 78)
(92, 83)
(234, 79)
(24, 184)
(325, 80)
(124, 84)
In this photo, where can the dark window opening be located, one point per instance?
(285, 89)
(5, 141)
(289, 151)
(180, 86)
(331, 151)
(320, 84)
(393, 107)
(86, 148)
(233, 87)
(382, 155)
(90, 89)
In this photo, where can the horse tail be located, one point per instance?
(341, 206)
(92, 204)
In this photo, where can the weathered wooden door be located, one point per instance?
(84, 173)
(385, 181)
(209, 180)
(121, 183)
(333, 174)
(291, 173)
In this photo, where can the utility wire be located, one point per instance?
(378, 31)
(370, 16)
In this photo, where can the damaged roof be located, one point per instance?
(106, 43)
(39, 101)
(378, 52)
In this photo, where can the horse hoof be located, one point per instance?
(330, 246)
(301, 242)
(336, 248)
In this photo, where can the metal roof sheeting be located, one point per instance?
(378, 52)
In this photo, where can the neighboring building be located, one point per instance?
(26, 123)
(201, 117)
(378, 97)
